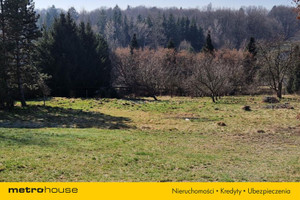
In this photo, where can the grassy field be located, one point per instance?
(174, 139)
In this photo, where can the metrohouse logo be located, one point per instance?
(44, 190)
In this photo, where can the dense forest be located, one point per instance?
(187, 28)
(142, 51)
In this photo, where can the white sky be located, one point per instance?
(93, 4)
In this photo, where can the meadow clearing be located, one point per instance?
(173, 139)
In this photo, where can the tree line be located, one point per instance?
(211, 72)
(150, 55)
(66, 59)
(155, 27)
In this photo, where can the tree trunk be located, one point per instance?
(279, 91)
(154, 97)
(213, 98)
(20, 83)
(21, 90)
(44, 99)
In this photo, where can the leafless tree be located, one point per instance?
(209, 76)
(276, 59)
(143, 71)
(217, 74)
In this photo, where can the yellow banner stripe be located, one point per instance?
(153, 191)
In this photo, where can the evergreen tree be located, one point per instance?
(208, 47)
(296, 82)
(22, 32)
(250, 67)
(251, 47)
(139, 19)
(294, 77)
(117, 15)
(171, 29)
(78, 59)
(52, 13)
(64, 55)
(171, 44)
(133, 44)
(125, 39)
(181, 29)
(74, 14)
(94, 68)
(5, 98)
(149, 22)
(102, 51)
(102, 21)
(195, 36)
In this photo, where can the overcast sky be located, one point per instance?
(93, 4)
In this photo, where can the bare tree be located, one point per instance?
(218, 74)
(276, 59)
(209, 76)
(142, 71)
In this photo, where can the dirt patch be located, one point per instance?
(280, 106)
(270, 100)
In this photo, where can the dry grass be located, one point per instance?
(174, 139)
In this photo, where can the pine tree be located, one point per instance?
(52, 14)
(94, 68)
(64, 55)
(22, 32)
(78, 59)
(251, 47)
(117, 15)
(250, 67)
(195, 36)
(5, 98)
(74, 14)
(208, 47)
(133, 44)
(103, 53)
(171, 29)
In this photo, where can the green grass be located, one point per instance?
(174, 139)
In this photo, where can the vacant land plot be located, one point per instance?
(174, 139)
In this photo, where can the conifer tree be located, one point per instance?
(22, 32)
(171, 29)
(171, 44)
(78, 59)
(250, 67)
(294, 77)
(102, 21)
(64, 57)
(251, 47)
(5, 99)
(208, 47)
(195, 36)
(133, 44)
(125, 37)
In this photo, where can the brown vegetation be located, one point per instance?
(166, 71)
